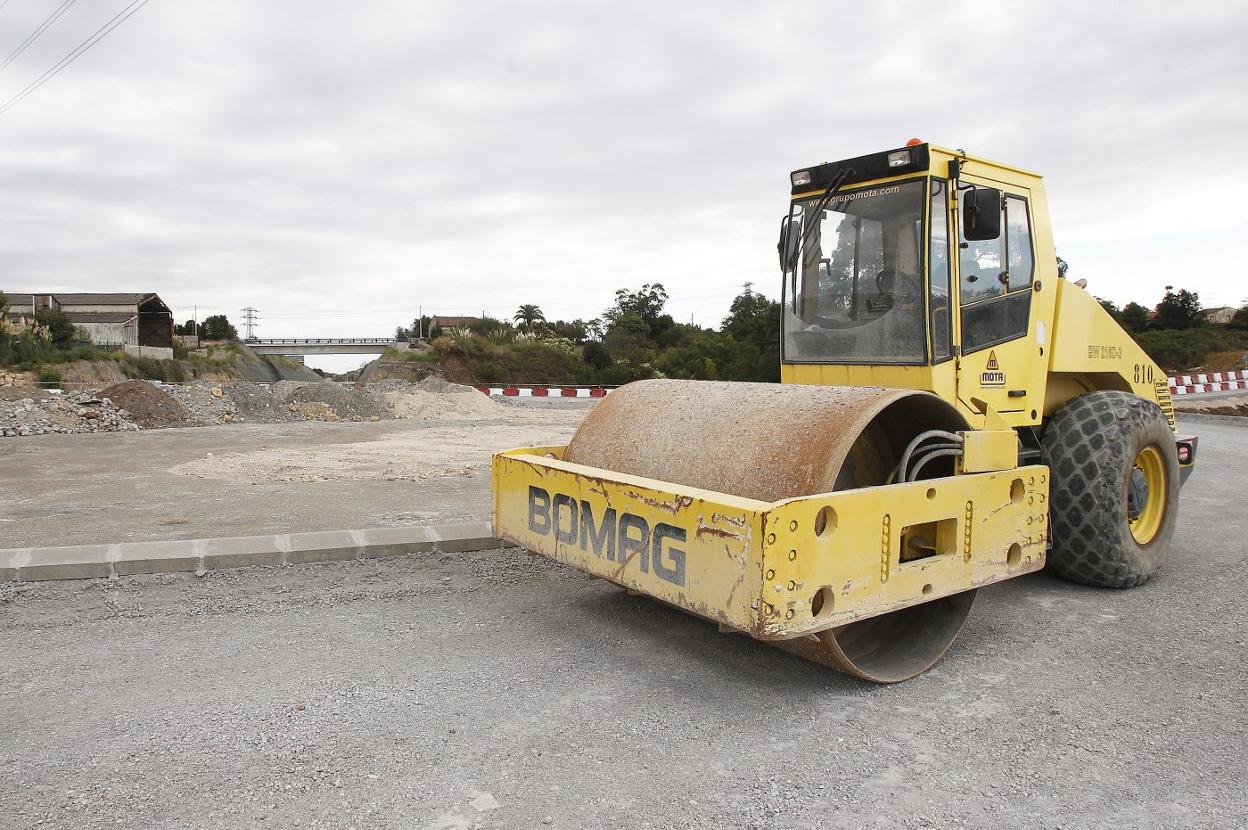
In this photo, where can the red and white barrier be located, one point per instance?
(545, 391)
(1208, 382)
(1180, 385)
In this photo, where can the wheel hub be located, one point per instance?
(1146, 495)
(1137, 494)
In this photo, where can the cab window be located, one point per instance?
(938, 301)
(996, 277)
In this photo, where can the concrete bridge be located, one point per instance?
(321, 345)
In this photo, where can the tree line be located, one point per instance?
(634, 338)
(1178, 310)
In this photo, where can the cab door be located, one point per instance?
(995, 288)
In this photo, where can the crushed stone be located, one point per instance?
(253, 403)
(206, 403)
(56, 414)
(343, 400)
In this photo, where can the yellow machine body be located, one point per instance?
(810, 568)
(777, 570)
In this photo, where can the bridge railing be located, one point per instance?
(320, 341)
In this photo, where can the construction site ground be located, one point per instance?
(250, 479)
(497, 689)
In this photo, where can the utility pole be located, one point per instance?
(420, 322)
(249, 320)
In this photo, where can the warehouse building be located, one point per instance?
(138, 322)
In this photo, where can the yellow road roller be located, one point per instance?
(953, 412)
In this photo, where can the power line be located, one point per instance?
(100, 33)
(43, 27)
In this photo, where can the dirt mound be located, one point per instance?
(1223, 405)
(1214, 405)
(1228, 361)
(1240, 410)
(147, 406)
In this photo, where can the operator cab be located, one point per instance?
(917, 268)
(854, 276)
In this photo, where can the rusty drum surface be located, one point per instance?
(777, 441)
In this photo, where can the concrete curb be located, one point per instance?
(1237, 420)
(200, 555)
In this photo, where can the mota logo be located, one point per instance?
(992, 374)
(619, 536)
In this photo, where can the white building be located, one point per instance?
(139, 322)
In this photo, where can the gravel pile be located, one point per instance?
(346, 402)
(206, 403)
(148, 406)
(80, 412)
(255, 403)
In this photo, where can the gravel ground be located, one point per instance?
(500, 690)
(274, 478)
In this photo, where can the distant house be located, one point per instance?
(1219, 316)
(436, 322)
(138, 322)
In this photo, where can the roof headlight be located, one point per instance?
(899, 158)
(801, 177)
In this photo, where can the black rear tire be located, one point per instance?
(1092, 446)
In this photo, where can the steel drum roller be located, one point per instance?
(773, 442)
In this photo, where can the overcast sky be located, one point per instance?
(337, 165)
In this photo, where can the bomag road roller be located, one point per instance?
(953, 412)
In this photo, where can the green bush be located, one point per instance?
(1176, 350)
(49, 377)
(25, 350)
(149, 368)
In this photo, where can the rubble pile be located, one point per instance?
(77, 413)
(205, 403)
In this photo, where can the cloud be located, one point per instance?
(339, 166)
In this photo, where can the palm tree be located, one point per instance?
(528, 314)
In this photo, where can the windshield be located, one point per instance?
(854, 292)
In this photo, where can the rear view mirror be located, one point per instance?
(981, 214)
(790, 238)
